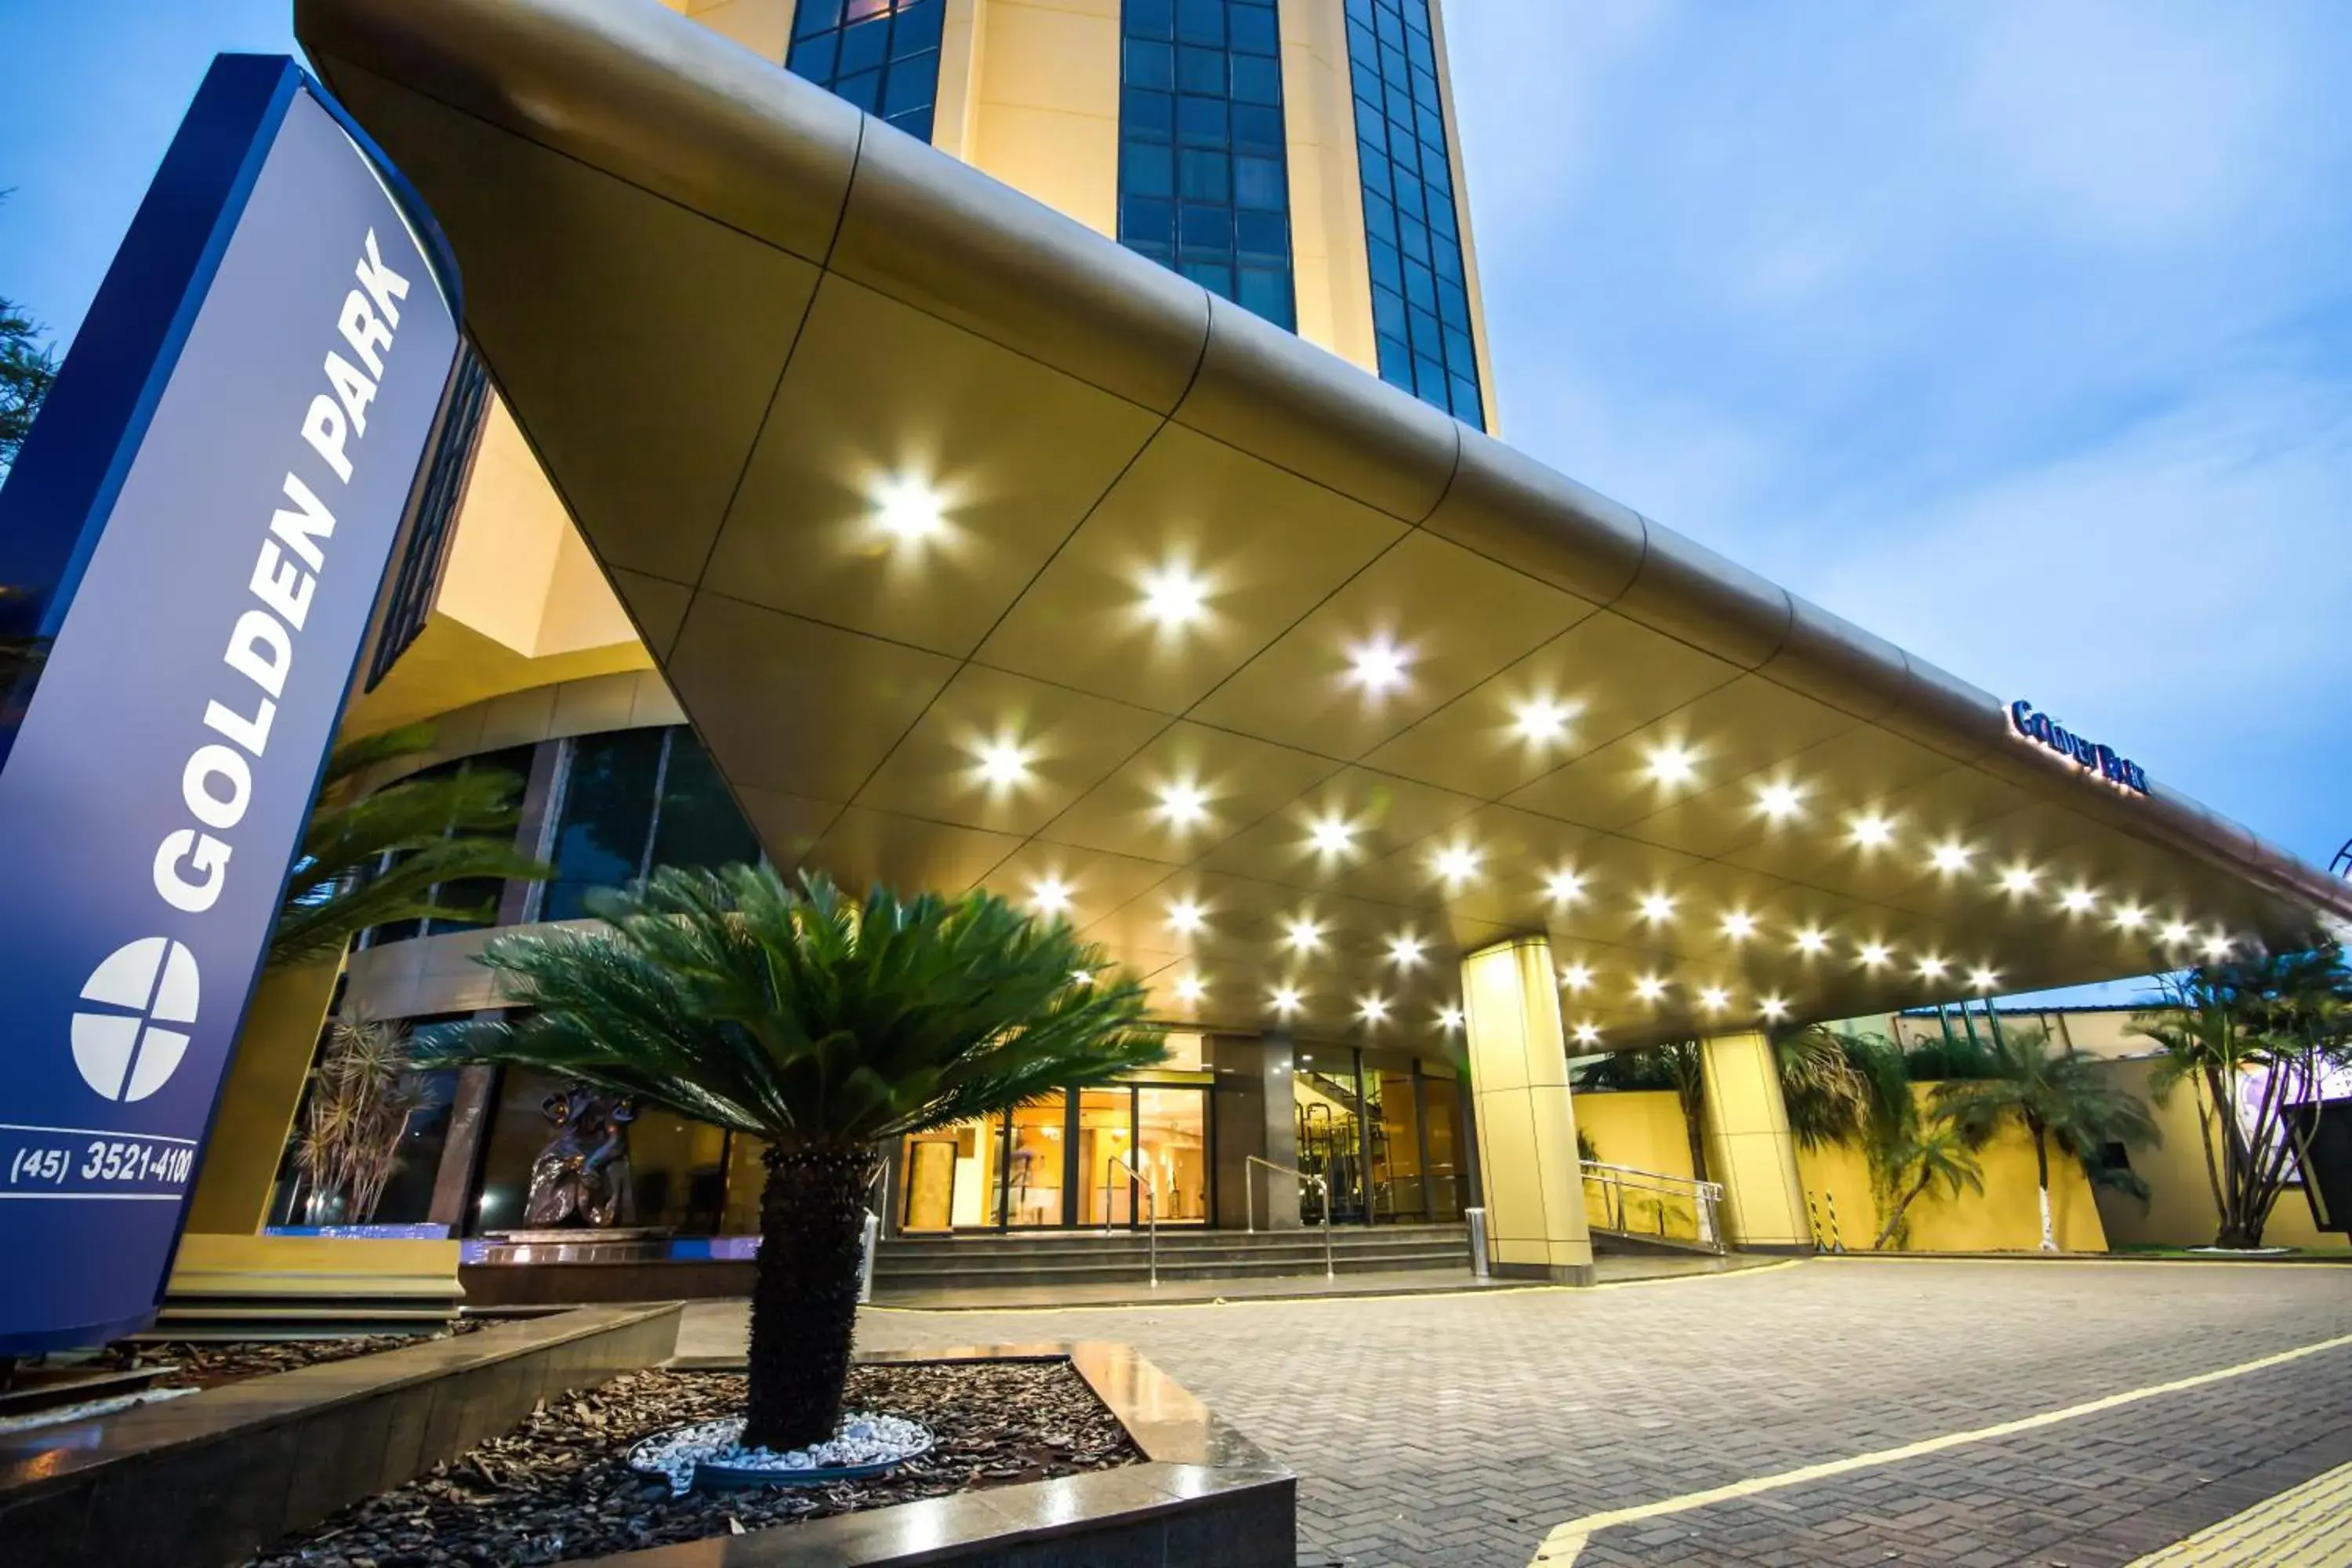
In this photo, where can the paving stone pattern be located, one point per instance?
(1431, 1432)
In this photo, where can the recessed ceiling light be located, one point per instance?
(1874, 953)
(1564, 887)
(1050, 895)
(1672, 764)
(1657, 907)
(1932, 968)
(1588, 1034)
(1456, 864)
(1449, 1019)
(1285, 999)
(1003, 763)
(1715, 998)
(1649, 987)
(2078, 900)
(909, 510)
(2174, 931)
(1184, 803)
(1539, 721)
(1983, 979)
(1950, 856)
(1173, 596)
(1773, 1007)
(1813, 938)
(2217, 946)
(1329, 836)
(1575, 977)
(1739, 925)
(1377, 665)
(1186, 916)
(1373, 1009)
(2130, 917)
(1780, 801)
(1872, 831)
(2019, 880)
(1303, 934)
(1192, 988)
(1405, 950)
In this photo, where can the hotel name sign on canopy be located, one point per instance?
(2119, 771)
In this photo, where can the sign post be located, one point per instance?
(193, 543)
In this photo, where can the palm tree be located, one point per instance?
(2056, 1095)
(1676, 1066)
(362, 1092)
(1935, 1155)
(401, 853)
(1828, 1097)
(826, 1027)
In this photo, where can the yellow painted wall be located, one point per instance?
(763, 27)
(2006, 1218)
(1642, 1129)
(1044, 113)
(1331, 266)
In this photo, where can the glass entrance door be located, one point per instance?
(1171, 1142)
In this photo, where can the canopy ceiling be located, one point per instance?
(892, 466)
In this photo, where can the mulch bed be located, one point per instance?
(559, 1486)
(199, 1363)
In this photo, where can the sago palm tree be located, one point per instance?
(1932, 1155)
(2059, 1096)
(372, 859)
(825, 1026)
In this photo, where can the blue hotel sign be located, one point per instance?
(197, 534)
(2119, 771)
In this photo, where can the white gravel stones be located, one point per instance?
(863, 1444)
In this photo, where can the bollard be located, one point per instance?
(1478, 1218)
(866, 1262)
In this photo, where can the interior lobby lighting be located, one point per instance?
(1873, 832)
(2078, 900)
(1450, 1019)
(2018, 880)
(1192, 988)
(1456, 864)
(1576, 977)
(1588, 1034)
(1773, 1007)
(1049, 895)
(1405, 950)
(1540, 721)
(1672, 764)
(1739, 925)
(1373, 1009)
(1649, 987)
(1657, 909)
(1184, 803)
(1874, 953)
(1377, 665)
(909, 510)
(1285, 1000)
(1564, 887)
(1186, 916)
(1003, 763)
(1812, 939)
(1715, 998)
(1983, 979)
(1780, 802)
(1329, 836)
(1950, 856)
(1303, 935)
(1174, 597)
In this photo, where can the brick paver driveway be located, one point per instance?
(1435, 1431)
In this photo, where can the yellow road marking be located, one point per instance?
(2303, 1527)
(1564, 1544)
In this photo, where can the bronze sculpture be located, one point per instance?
(582, 1177)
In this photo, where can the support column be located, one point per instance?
(1526, 1125)
(259, 1095)
(1749, 1148)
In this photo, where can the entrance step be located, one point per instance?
(928, 1265)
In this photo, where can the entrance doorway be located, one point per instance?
(1384, 1133)
(1070, 1160)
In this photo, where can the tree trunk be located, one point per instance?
(1894, 1220)
(2042, 1188)
(804, 1294)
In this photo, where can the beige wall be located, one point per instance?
(763, 27)
(1043, 106)
(1331, 267)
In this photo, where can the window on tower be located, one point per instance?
(881, 55)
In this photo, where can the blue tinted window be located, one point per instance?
(1204, 182)
(1420, 314)
(880, 54)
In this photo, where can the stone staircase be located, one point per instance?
(905, 1266)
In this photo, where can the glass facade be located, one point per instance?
(1420, 296)
(633, 800)
(1385, 1133)
(881, 55)
(1204, 175)
(466, 899)
(1067, 1160)
(417, 573)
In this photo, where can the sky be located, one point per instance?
(2020, 334)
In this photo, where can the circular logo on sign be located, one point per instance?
(130, 1049)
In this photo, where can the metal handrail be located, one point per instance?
(1150, 1205)
(1707, 1197)
(1249, 1200)
(870, 1234)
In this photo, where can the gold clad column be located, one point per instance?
(1527, 1126)
(1749, 1148)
